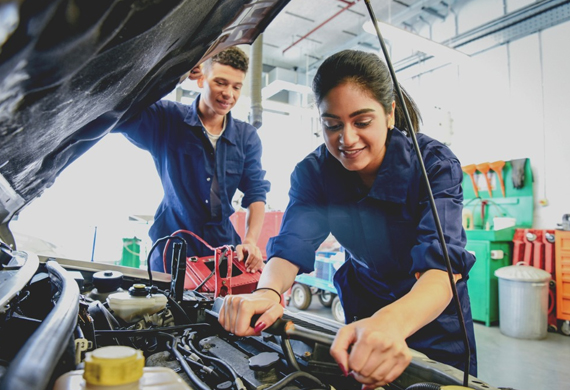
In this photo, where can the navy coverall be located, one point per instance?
(388, 233)
(186, 163)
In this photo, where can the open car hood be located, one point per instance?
(71, 71)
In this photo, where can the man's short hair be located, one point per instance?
(232, 56)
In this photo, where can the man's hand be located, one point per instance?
(252, 255)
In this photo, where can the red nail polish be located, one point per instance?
(259, 327)
(344, 372)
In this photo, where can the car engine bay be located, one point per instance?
(52, 312)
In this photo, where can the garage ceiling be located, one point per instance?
(307, 31)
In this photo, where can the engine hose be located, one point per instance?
(291, 377)
(289, 354)
(206, 369)
(187, 369)
(232, 372)
(176, 308)
(424, 386)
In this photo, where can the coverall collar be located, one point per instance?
(392, 180)
(229, 134)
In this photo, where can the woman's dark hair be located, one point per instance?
(368, 72)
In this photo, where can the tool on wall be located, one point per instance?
(518, 172)
(497, 167)
(484, 169)
(483, 207)
(470, 170)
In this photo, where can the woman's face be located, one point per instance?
(355, 128)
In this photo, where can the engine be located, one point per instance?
(55, 312)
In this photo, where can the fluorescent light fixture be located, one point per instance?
(400, 37)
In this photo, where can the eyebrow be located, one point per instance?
(226, 81)
(352, 115)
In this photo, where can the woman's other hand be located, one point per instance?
(238, 310)
(378, 351)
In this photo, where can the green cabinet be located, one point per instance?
(482, 284)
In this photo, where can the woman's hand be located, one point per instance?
(237, 311)
(252, 256)
(372, 350)
(377, 345)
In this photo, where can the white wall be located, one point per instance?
(509, 102)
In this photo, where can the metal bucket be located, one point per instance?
(523, 301)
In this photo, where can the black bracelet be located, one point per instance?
(270, 289)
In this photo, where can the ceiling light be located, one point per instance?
(415, 42)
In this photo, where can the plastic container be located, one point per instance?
(131, 307)
(523, 301)
(106, 283)
(119, 368)
(131, 256)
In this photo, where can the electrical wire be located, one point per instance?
(188, 341)
(424, 386)
(184, 243)
(176, 306)
(203, 367)
(137, 332)
(205, 280)
(296, 375)
(430, 194)
(187, 369)
(175, 234)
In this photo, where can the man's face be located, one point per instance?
(221, 86)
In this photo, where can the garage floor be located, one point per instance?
(523, 364)
(512, 363)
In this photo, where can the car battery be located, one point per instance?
(221, 274)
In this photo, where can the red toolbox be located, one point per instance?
(563, 275)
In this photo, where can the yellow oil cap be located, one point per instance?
(112, 366)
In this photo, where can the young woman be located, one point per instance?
(364, 186)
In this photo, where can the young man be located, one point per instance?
(203, 156)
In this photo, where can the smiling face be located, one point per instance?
(221, 88)
(355, 128)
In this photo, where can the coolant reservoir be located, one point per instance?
(134, 304)
(119, 368)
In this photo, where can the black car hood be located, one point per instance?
(72, 70)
